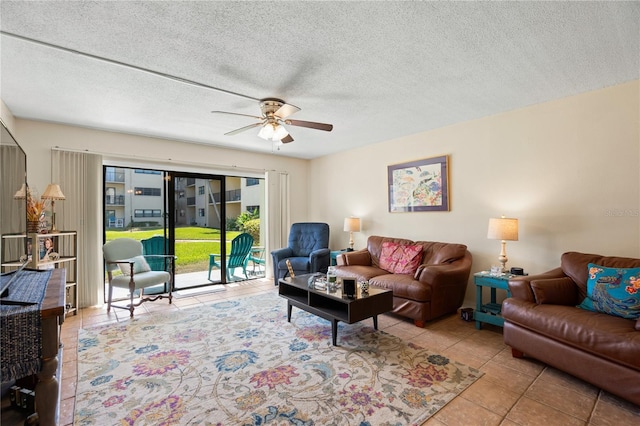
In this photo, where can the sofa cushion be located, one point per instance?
(139, 265)
(614, 291)
(600, 334)
(360, 272)
(400, 258)
(555, 291)
(403, 286)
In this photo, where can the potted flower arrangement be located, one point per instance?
(35, 210)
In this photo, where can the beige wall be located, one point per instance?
(569, 170)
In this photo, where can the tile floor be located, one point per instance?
(512, 391)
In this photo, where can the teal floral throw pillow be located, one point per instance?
(614, 291)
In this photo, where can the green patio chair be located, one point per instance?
(156, 245)
(240, 249)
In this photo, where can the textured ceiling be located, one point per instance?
(375, 70)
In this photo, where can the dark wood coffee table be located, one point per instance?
(334, 306)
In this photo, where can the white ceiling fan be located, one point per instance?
(275, 113)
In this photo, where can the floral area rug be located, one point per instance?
(241, 363)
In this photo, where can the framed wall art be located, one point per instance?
(419, 186)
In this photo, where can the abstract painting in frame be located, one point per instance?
(419, 186)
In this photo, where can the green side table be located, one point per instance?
(490, 312)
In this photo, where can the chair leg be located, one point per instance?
(131, 308)
(109, 298)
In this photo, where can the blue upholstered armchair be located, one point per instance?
(308, 250)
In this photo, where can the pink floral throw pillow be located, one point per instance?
(391, 253)
(400, 259)
(411, 259)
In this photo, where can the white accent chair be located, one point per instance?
(125, 255)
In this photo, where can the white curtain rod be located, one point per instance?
(158, 161)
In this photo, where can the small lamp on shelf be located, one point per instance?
(53, 193)
(21, 193)
(505, 229)
(351, 225)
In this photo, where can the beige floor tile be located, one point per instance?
(438, 338)
(511, 379)
(464, 357)
(553, 376)
(431, 341)
(609, 398)
(66, 412)
(530, 412)
(461, 411)
(507, 422)
(562, 398)
(403, 331)
(68, 387)
(612, 411)
(476, 348)
(69, 369)
(432, 421)
(528, 366)
(491, 396)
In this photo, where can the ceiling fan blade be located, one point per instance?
(286, 110)
(311, 125)
(242, 129)
(286, 139)
(235, 113)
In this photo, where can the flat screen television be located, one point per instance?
(13, 206)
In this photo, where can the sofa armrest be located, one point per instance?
(443, 273)
(520, 287)
(358, 257)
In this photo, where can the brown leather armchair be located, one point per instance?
(542, 321)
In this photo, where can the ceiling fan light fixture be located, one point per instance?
(279, 132)
(273, 132)
(266, 132)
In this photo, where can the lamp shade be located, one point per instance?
(53, 192)
(21, 193)
(352, 224)
(503, 228)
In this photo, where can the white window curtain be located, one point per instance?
(12, 213)
(279, 220)
(80, 177)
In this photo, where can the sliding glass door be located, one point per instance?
(194, 216)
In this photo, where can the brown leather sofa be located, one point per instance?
(436, 288)
(543, 322)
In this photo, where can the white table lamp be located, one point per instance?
(53, 193)
(351, 225)
(505, 229)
